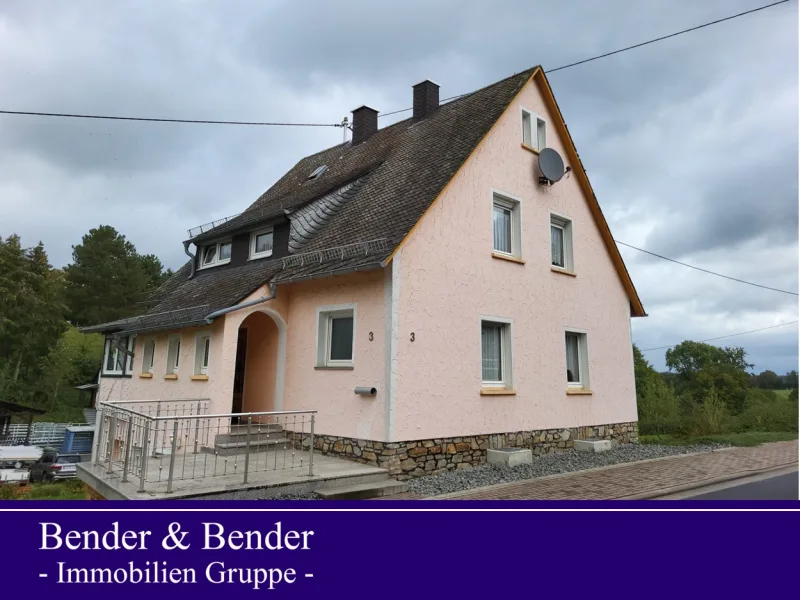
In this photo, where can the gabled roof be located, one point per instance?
(390, 180)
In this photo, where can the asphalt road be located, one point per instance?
(781, 487)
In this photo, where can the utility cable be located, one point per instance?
(707, 271)
(725, 336)
(639, 45)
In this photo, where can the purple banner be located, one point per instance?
(397, 549)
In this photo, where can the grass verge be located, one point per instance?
(67, 490)
(747, 438)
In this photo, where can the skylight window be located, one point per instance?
(318, 172)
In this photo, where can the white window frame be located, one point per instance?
(200, 340)
(583, 358)
(254, 236)
(564, 223)
(513, 204)
(148, 356)
(173, 356)
(216, 262)
(537, 137)
(506, 353)
(110, 347)
(325, 316)
(131, 346)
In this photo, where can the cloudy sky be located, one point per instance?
(691, 143)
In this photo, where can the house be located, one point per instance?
(427, 262)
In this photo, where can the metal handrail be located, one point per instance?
(125, 437)
(224, 415)
(131, 411)
(112, 402)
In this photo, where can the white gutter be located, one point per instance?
(273, 288)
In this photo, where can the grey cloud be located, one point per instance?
(691, 144)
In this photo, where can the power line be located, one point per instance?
(607, 54)
(671, 35)
(707, 271)
(272, 124)
(725, 336)
(155, 120)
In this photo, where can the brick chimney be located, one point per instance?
(426, 99)
(365, 123)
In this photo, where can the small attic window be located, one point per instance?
(318, 172)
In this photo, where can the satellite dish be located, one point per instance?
(551, 166)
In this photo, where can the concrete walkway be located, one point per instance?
(643, 479)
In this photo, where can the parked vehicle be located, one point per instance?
(53, 466)
(15, 462)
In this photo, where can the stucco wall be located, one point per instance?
(328, 391)
(448, 279)
(155, 388)
(278, 380)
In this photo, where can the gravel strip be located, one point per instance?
(483, 475)
(551, 464)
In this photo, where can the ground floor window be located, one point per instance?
(173, 354)
(336, 337)
(115, 360)
(577, 359)
(202, 353)
(495, 354)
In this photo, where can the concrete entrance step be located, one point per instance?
(240, 447)
(363, 491)
(227, 438)
(254, 428)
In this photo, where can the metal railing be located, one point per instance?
(164, 442)
(42, 434)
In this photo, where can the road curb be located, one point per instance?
(660, 493)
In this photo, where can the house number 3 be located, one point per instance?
(371, 337)
(412, 336)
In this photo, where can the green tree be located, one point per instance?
(703, 369)
(790, 380)
(768, 380)
(31, 316)
(108, 279)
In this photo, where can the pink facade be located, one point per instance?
(417, 333)
(449, 279)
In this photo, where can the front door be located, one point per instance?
(238, 376)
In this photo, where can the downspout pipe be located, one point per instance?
(186, 245)
(273, 288)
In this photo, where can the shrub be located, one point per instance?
(793, 396)
(659, 409)
(707, 418)
(766, 411)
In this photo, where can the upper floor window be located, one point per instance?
(261, 243)
(218, 253)
(561, 243)
(533, 130)
(505, 226)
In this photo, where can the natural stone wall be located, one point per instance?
(406, 460)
